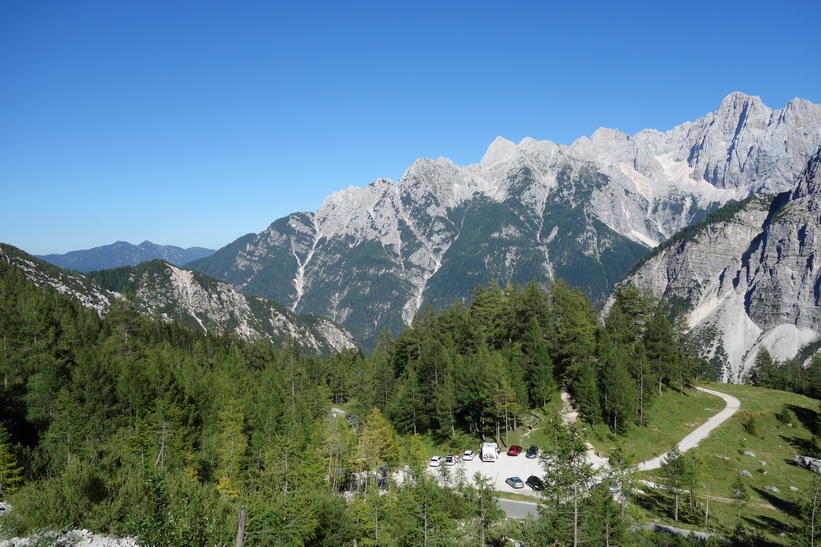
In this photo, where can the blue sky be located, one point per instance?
(192, 123)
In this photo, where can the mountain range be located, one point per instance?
(369, 258)
(190, 297)
(715, 216)
(122, 253)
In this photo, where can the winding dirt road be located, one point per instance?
(702, 431)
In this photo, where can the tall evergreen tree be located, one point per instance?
(11, 474)
(676, 469)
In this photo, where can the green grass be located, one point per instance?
(722, 457)
(670, 417)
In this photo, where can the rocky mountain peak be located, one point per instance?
(606, 134)
(738, 102)
(499, 150)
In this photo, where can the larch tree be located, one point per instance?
(231, 446)
(11, 474)
(377, 444)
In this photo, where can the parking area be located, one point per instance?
(505, 466)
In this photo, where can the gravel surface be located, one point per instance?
(505, 466)
(76, 538)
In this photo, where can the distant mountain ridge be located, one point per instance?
(122, 253)
(370, 258)
(195, 299)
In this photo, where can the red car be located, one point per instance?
(514, 450)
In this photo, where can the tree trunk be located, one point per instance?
(707, 506)
(575, 515)
(675, 517)
(241, 527)
(812, 516)
(641, 395)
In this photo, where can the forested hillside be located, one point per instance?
(134, 426)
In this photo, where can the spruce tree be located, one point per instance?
(11, 474)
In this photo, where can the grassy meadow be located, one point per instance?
(754, 440)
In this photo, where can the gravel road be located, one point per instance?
(702, 431)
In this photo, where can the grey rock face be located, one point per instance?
(215, 306)
(749, 280)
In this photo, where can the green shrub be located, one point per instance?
(785, 416)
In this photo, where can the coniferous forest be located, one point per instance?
(130, 425)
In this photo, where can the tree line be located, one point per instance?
(474, 369)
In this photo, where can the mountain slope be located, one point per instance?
(194, 299)
(123, 253)
(370, 257)
(749, 279)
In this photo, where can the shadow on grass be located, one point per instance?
(656, 501)
(785, 505)
(808, 417)
(764, 523)
(805, 447)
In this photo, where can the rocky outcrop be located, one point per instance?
(215, 306)
(748, 277)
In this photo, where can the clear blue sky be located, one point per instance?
(191, 123)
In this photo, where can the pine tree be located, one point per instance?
(622, 473)
(676, 468)
(568, 478)
(809, 509)
(765, 373)
(662, 348)
(408, 408)
(583, 385)
(573, 336)
(486, 505)
(619, 394)
(11, 474)
(539, 369)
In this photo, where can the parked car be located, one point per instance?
(515, 482)
(532, 452)
(435, 461)
(514, 450)
(451, 460)
(467, 456)
(535, 482)
(613, 487)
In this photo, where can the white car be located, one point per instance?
(467, 456)
(435, 461)
(451, 460)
